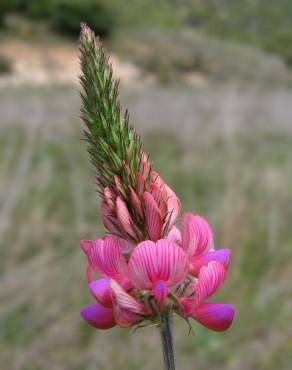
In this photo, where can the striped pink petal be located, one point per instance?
(161, 261)
(160, 198)
(127, 309)
(124, 218)
(99, 316)
(105, 257)
(211, 277)
(215, 316)
(153, 217)
(135, 201)
(109, 197)
(197, 235)
(220, 255)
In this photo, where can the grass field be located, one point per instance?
(227, 152)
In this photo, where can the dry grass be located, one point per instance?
(227, 152)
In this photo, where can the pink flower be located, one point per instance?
(215, 316)
(138, 282)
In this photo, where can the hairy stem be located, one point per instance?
(167, 341)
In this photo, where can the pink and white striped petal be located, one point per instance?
(220, 255)
(197, 236)
(153, 217)
(214, 316)
(106, 258)
(211, 277)
(161, 261)
(99, 316)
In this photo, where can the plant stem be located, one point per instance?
(168, 342)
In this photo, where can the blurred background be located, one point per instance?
(209, 88)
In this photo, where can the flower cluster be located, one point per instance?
(148, 268)
(176, 273)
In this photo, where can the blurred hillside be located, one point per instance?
(215, 116)
(266, 24)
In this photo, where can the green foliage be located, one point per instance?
(68, 14)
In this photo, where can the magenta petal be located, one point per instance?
(99, 316)
(215, 316)
(173, 205)
(220, 255)
(160, 292)
(100, 289)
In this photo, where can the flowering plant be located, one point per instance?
(148, 268)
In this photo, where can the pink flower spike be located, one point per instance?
(160, 292)
(210, 279)
(99, 316)
(197, 236)
(220, 255)
(161, 261)
(215, 316)
(153, 217)
(124, 218)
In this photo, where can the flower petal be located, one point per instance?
(99, 316)
(105, 257)
(127, 310)
(197, 236)
(108, 218)
(124, 218)
(215, 316)
(220, 255)
(100, 289)
(152, 262)
(211, 277)
(153, 217)
(143, 265)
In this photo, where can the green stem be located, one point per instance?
(168, 343)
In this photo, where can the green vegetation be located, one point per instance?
(267, 25)
(239, 178)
